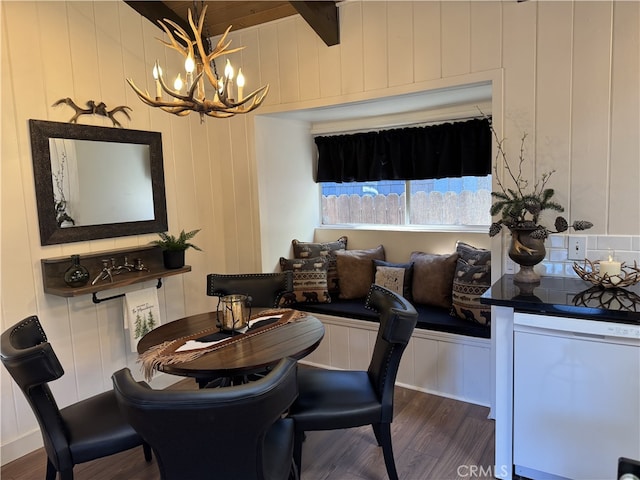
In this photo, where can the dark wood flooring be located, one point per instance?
(434, 438)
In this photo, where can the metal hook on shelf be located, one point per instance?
(99, 300)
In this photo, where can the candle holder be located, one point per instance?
(236, 311)
(592, 272)
(610, 299)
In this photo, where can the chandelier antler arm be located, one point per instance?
(221, 47)
(257, 96)
(206, 59)
(228, 112)
(182, 34)
(189, 97)
(212, 56)
(184, 104)
(146, 98)
(180, 108)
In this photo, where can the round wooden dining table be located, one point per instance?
(254, 354)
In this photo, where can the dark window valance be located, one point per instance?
(415, 153)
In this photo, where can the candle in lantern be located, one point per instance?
(157, 73)
(240, 82)
(610, 267)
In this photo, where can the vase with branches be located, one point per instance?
(519, 208)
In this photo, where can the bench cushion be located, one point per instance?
(429, 317)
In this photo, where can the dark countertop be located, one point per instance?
(567, 296)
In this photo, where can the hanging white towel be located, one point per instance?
(141, 314)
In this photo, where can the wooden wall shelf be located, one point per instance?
(151, 257)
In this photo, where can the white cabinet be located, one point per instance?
(566, 371)
(576, 397)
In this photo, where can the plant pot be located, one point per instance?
(173, 259)
(526, 252)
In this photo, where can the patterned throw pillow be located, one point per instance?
(432, 278)
(472, 278)
(328, 249)
(396, 277)
(309, 278)
(355, 270)
(473, 255)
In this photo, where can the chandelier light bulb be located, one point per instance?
(177, 85)
(189, 64)
(228, 70)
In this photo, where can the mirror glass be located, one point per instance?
(97, 182)
(94, 191)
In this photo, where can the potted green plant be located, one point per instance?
(519, 208)
(173, 247)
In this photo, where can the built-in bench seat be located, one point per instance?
(442, 358)
(447, 355)
(429, 317)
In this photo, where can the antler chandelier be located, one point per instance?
(222, 104)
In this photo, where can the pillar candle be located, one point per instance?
(609, 267)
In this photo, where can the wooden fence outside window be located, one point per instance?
(434, 208)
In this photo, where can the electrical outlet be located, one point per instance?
(577, 247)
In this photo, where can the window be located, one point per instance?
(438, 174)
(445, 201)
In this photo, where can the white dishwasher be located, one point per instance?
(576, 404)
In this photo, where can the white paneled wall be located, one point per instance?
(570, 78)
(86, 50)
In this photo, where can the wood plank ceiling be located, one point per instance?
(322, 16)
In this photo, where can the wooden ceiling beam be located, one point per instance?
(322, 16)
(155, 11)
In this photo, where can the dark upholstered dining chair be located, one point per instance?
(337, 399)
(265, 289)
(87, 430)
(225, 433)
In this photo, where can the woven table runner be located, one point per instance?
(156, 357)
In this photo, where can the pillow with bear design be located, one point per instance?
(309, 278)
(321, 249)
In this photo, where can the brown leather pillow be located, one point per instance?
(433, 278)
(356, 270)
